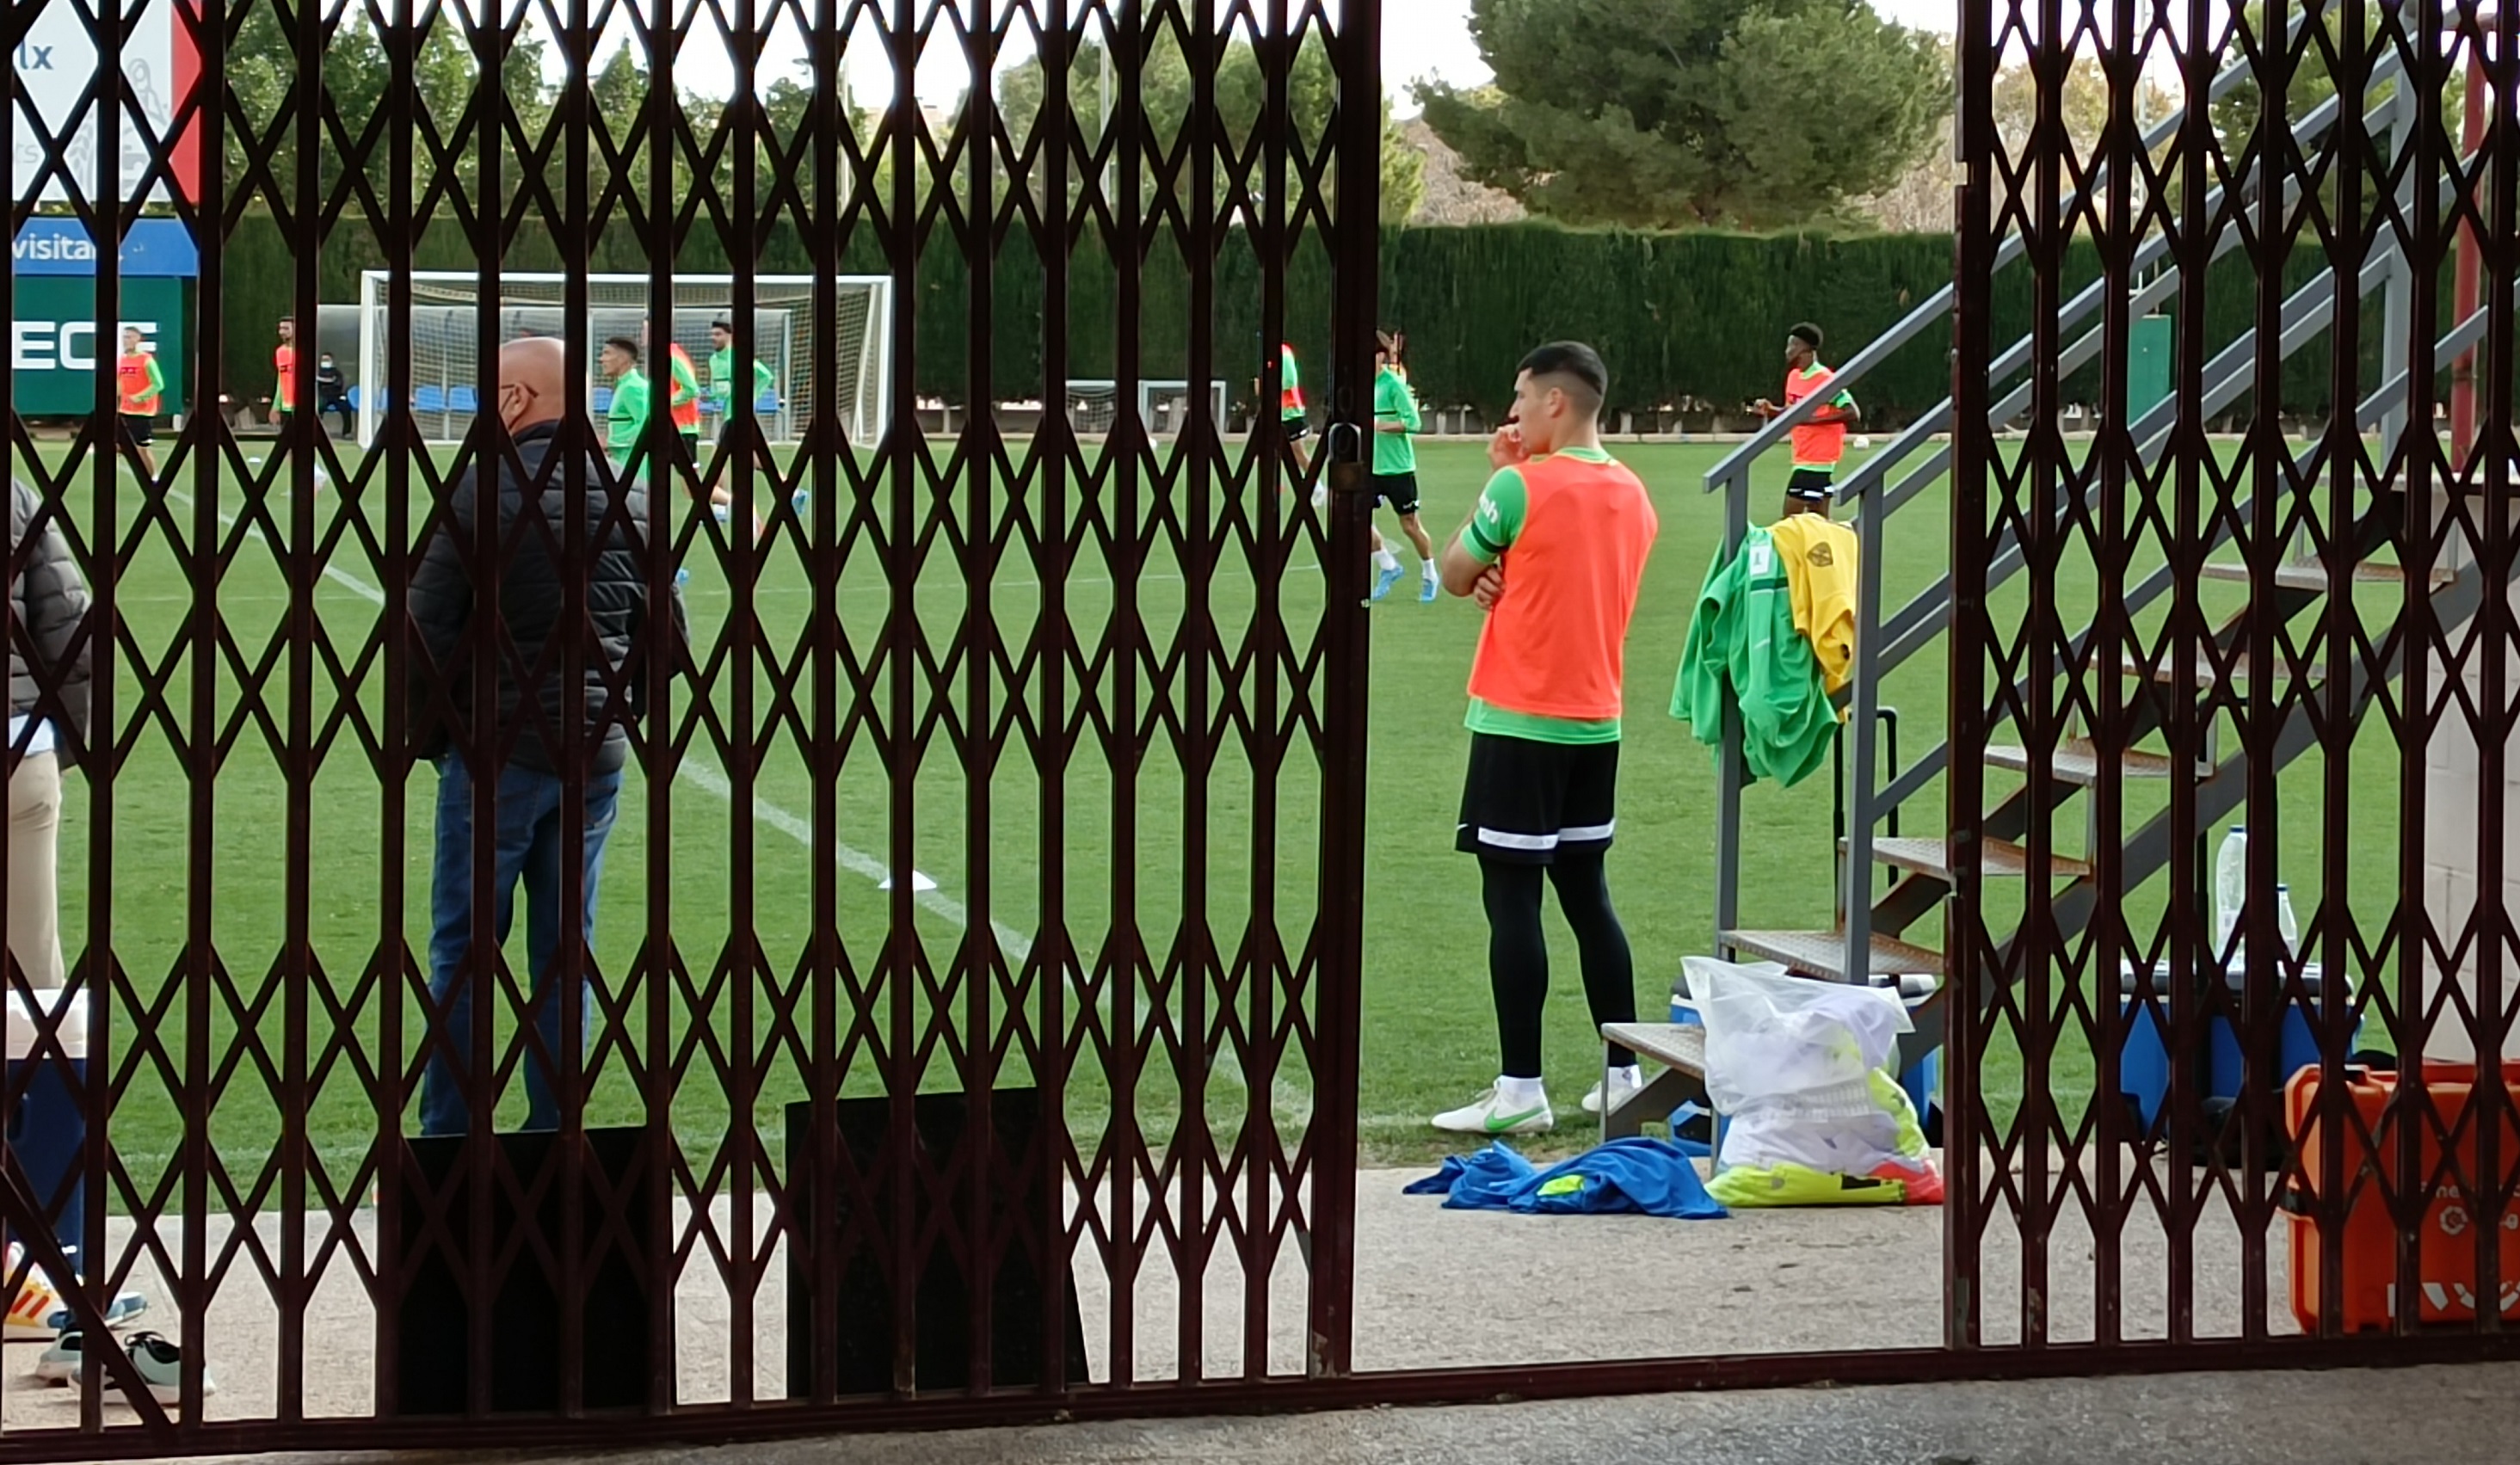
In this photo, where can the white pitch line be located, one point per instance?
(702, 775)
(708, 780)
(332, 573)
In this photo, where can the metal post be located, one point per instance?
(1727, 771)
(2396, 303)
(1856, 891)
(2469, 254)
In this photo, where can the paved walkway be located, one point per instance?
(2436, 1416)
(1438, 1288)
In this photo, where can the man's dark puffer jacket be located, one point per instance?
(531, 599)
(49, 602)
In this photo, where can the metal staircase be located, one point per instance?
(1875, 924)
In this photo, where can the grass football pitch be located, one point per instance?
(1174, 924)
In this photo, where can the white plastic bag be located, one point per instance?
(1789, 1063)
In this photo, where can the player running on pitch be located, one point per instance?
(1394, 479)
(140, 386)
(1820, 443)
(721, 391)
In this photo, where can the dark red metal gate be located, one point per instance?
(2277, 598)
(970, 1011)
(971, 1006)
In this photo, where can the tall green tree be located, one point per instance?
(262, 71)
(1693, 114)
(2308, 81)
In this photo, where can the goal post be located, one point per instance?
(1163, 406)
(443, 395)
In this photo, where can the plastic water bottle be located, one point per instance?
(2231, 887)
(2284, 922)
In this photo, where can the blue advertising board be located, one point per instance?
(48, 245)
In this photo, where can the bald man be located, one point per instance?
(554, 781)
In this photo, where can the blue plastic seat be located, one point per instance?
(463, 399)
(602, 401)
(429, 399)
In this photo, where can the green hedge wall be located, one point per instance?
(1679, 317)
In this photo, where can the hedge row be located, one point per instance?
(1682, 319)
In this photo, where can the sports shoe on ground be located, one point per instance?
(1384, 578)
(1426, 591)
(1489, 1114)
(62, 1362)
(161, 1369)
(29, 1316)
(682, 578)
(725, 513)
(1625, 1081)
(122, 1312)
(799, 500)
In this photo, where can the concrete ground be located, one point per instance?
(1434, 1288)
(2437, 1416)
(2441, 1416)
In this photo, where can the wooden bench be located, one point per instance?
(1680, 1049)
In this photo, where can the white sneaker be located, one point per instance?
(161, 1365)
(1489, 1115)
(1625, 1082)
(62, 1362)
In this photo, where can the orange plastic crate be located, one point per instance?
(2445, 1254)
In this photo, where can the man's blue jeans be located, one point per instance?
(532, 842)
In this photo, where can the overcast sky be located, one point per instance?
(1422, 39)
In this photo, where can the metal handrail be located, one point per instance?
(2369, 415)
(1734, 471)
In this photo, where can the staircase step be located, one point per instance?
(2005, 861)
(2204, 672)
(1822, 953)
(2078, 761)
(2313, 577)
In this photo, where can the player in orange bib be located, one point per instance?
(1819, 442)
(1556, 553)
(284, 391)
(140, 389)
(1278, 378)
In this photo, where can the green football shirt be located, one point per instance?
(721, 379)
(1394, 402)
(628, 417)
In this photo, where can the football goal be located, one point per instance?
(1163, 406)
(441, 387)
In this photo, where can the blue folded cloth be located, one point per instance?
(1626, 1176)
(1483, 1182)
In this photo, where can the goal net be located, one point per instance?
(1163, 406)
(443, 394)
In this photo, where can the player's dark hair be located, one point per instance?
(626, 346)
(723, 324)
(1574, 361)
(1808, 333)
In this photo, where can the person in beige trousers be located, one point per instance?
(48, 712)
